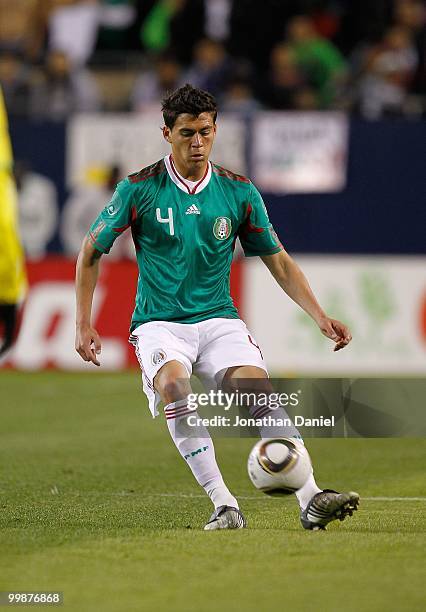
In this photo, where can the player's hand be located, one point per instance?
(88, 344)
(336, 331)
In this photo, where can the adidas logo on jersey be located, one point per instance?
(192, 210)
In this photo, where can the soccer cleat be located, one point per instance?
(327, 506)
(226, 517)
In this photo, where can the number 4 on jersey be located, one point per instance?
(168, 220)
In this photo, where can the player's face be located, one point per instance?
(191, 139)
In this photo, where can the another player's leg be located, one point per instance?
(318, 507)
(195, 445)
(9, 322)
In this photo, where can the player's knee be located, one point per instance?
(250, 390)
(173, 390)
(172, 383)
(246, 378)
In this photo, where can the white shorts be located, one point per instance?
(206, 349)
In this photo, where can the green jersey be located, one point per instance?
(184, 235)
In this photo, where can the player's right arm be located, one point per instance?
(114, 219)
(87, 340)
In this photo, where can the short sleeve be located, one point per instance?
(257, 236)
(114, 219)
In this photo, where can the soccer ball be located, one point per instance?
(279, 466)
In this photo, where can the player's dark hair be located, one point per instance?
(187, 99)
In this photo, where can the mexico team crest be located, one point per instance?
(222, 228)
(158, 356)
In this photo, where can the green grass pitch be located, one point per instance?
(96, 502)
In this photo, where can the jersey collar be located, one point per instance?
(190, 187)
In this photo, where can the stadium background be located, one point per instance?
(326, 113)
(342, 178)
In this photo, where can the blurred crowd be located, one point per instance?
(62, 56)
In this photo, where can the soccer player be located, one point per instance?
(185, 214)
(12, 268)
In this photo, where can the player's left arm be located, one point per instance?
(292, 280)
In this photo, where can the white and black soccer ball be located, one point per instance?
(279, 466)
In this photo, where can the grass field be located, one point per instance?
(96, 502)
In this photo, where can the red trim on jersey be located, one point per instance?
(96, 243)
(120, 230)
(247, 227)
(134, 215)
(220, 171)
(148, 172)
(133, 228)
(175, 172)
